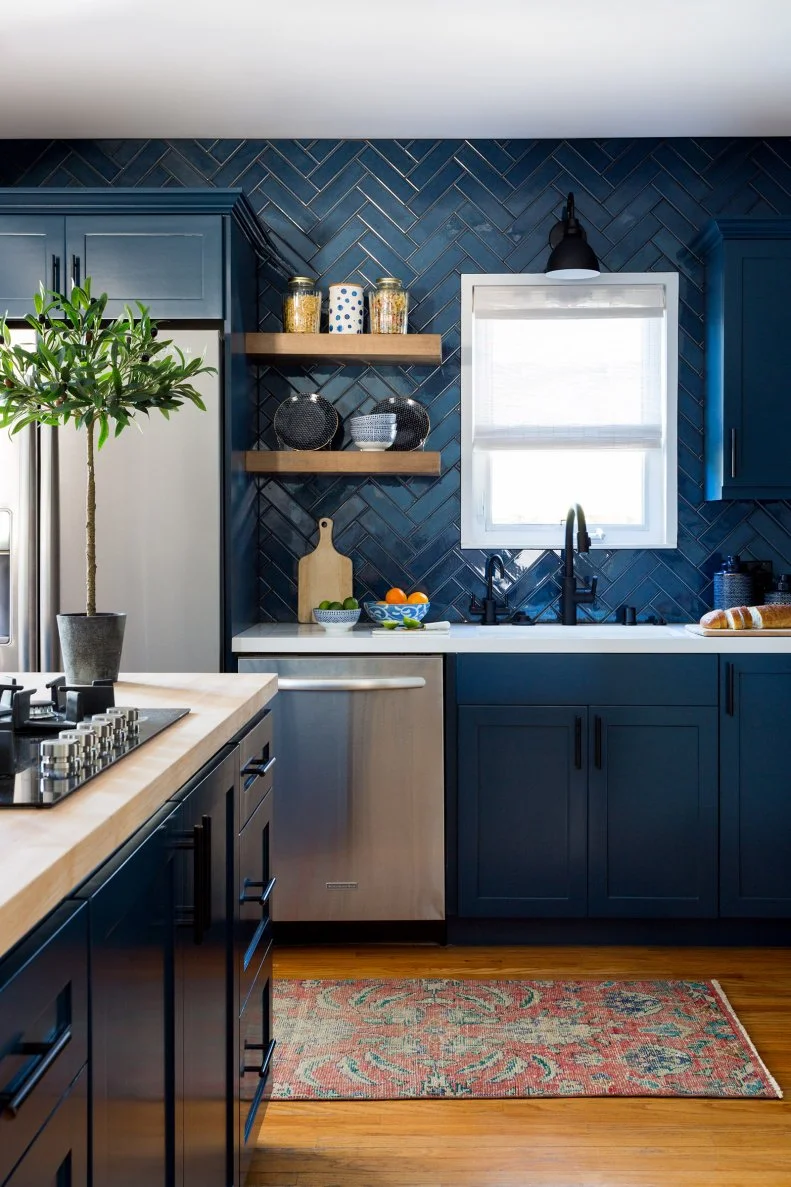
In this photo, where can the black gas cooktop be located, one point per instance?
(48, 749)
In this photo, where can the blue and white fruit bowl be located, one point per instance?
(336, 621)
(396, 612)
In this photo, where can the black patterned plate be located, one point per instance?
(412, 422)
(305, 422)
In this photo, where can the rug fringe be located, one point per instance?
(734, 1018)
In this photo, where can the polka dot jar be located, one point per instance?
(346, 308)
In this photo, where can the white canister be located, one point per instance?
(346, 308)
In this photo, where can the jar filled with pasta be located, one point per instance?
(302, 306)
(387, 306)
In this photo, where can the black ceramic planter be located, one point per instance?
(91, 646)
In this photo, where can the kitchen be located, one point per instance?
(435, 211)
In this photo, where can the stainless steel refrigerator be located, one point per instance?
(158, 516)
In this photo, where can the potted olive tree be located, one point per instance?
(102, 376)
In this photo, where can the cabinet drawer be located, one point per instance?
(257, 761)
(255, 895)
(59, 1155)
(599, 679)
(256, 1051)
(43, 1027)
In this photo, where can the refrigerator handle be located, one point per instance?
(49, 550)
(26, 563)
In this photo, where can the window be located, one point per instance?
(569, 396)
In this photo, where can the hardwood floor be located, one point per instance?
(545, 1143)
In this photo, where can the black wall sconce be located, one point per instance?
(571, 257)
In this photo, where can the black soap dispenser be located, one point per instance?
(732, 586)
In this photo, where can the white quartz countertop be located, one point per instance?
(288, 638)
(46, 853)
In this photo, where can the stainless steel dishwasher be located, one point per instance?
(358, 830)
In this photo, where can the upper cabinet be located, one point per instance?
(168, 249)
(748, 358)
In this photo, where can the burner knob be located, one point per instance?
(59, 758)
(119, 719)
(104, 730)
(83, 742)
(131, 717)
(91, 746)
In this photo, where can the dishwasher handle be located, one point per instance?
(374, 684)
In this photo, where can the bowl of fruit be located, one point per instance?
(399, 609)
(337, 616)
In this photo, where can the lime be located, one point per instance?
(325, 605)
(412, 624)
(351, 604)
(335, 606)
(389, 626)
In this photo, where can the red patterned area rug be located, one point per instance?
(398, 1039)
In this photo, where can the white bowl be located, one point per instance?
(336, 621)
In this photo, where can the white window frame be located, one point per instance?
(662, 526)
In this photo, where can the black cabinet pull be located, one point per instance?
(263, 1071)
(733, 453)
(730, 690)
(11, 1102)
(597, 742)
(56, 274)
(255, 770)
(578, 743)
(75, 271)
(206, 904)
(198, 883)
(261, 899)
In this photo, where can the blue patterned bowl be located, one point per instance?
(335, 621)
(396, 612)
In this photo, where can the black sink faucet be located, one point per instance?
(573, 595)
(489, 609)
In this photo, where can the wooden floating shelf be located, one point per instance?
(345, 461)
(346, 348)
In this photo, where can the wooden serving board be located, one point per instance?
(694, 628)
(322, 575)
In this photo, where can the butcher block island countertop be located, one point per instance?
(46, 853)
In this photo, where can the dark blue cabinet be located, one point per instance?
(31, 253)
(755, 788)
(748, 358)
(132, 910)
(652, 812)
(522, 811)
(59, 1156)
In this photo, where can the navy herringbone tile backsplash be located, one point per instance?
(427, 211)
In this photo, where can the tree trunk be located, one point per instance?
(90, 528)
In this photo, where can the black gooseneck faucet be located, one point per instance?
(573, 595)
(490, 610)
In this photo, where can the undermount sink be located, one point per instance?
(603, 630)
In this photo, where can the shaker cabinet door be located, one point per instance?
(653, 812)
(755, 838)
(31, 254)
(522, 811)
(171, 264)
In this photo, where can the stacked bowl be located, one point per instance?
(373, 433)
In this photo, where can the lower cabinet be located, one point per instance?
(59, 1155)
(652, 812)
(755, 789)
(522, 811)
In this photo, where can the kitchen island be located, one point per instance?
(135, 952)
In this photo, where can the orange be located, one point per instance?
(395, 595)
(417, 598)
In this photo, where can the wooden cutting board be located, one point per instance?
(709, 633)
(323, 574)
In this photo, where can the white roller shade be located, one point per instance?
(568, 366)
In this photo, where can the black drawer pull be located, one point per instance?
(597, 742)
(265, 887)
(263, 1071)
(730, 689)
(578, 743)
(11, 1102)
(254, 770)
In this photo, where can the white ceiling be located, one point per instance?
(395, 68)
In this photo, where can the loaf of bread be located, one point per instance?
(748, 618)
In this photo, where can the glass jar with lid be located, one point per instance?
(388, 304)
(302, 306)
